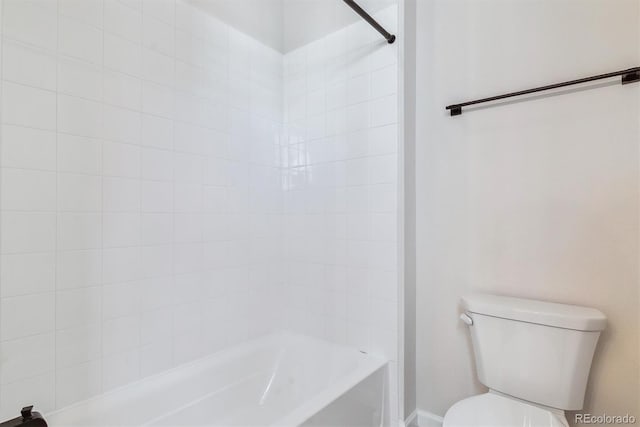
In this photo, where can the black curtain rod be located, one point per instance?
(360, 11)
(631, 75)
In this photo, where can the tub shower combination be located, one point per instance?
(163, 151)
(279, 380)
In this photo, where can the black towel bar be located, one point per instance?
(630, 75)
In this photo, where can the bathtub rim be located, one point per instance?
(217, 357)
(367, 365)
(304, 412)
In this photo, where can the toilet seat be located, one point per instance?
(493, 410)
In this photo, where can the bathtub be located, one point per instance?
(278, 380)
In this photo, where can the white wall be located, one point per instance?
(341, 189)
(536, 199)
(140, 193)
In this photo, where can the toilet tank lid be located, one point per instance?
(533, 311)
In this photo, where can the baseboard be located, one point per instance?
(422, 418)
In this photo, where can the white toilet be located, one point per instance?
(533, 356)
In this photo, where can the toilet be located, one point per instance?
(534, 357)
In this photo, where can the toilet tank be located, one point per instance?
(537, 351)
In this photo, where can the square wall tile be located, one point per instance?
(24, 232)
(78, 307)
(24, 274)
(24, 358)
(80, 40)
(28, 190)
(31, 22)
(120, 369)
(79, 155)
(28, 148)
(78, 345)
(76, 269)
(123, 21)
(78, 382)
(121, 54)
(122, 90)
(28, 106)
(122, 125)
(79, 193)
(121, 160)
(80, 78)
(89, 12)
(28, 65)
(80, 117)
(121, 195)
(27, 315)
(79, 231)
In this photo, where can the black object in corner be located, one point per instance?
(28, 418)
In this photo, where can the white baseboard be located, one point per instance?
(423, 419)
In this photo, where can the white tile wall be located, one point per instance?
(132, 207)
(341, 187)
(341, 179)
(153, 207)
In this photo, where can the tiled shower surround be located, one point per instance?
(170, 187)
(340, 180)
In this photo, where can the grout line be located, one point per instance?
(1, 161)
(101, 249)
(56, 236)
(139, 315)
(12, 340)
(172, 322)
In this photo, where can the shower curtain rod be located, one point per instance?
(631, 75)
(360, 11)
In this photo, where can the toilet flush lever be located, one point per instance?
(466, 319)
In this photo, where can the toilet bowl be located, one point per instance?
(494, 410)
(534, 357)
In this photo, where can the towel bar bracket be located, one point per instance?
(632, 77)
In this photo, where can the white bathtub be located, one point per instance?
(279, 380)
